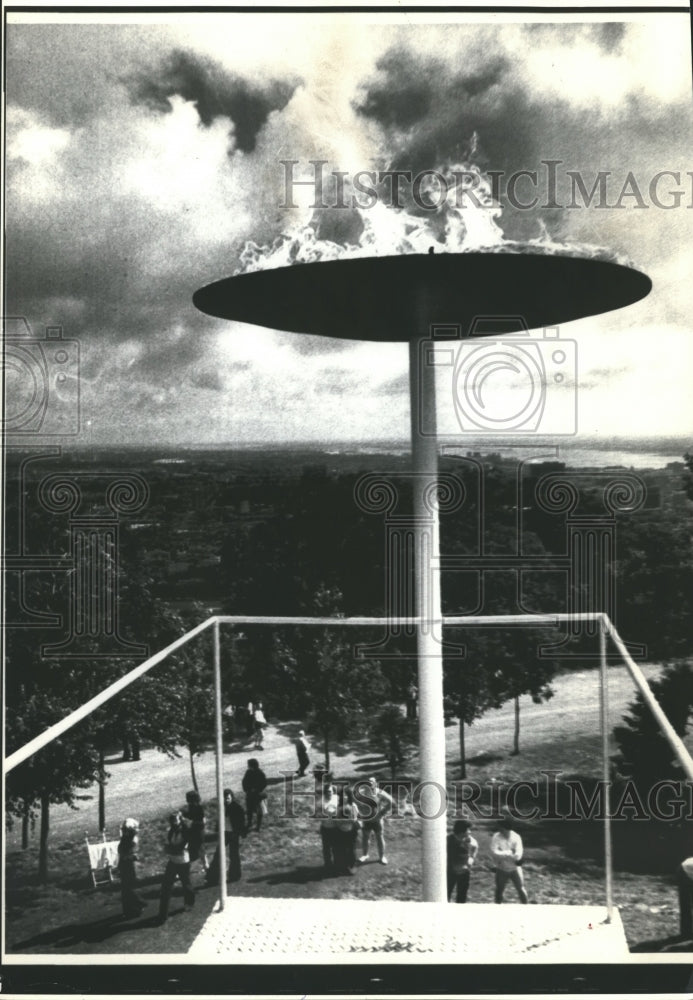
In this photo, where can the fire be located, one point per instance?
(462, 218)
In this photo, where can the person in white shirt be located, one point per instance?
(329, 808)
(260, 723)
(506, 851)
(376, 804)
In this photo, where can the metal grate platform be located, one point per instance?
(312, 930)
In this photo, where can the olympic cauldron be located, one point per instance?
(399, 298)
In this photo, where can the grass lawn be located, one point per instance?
(562, 860)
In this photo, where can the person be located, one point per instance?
(131, 743)
(229, 722)
(254, 785)
(329, 806)
(127, 866)
(462, 851)
(194, 814)
(347, 826)
(302, 753)
(685, 888)
(506, 851)
(234, 829)
(250, 718)
(178, 865)
(377, 803)
(260, 724)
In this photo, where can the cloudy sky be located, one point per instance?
(142, 157)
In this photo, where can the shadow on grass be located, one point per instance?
(295, 876)
(357, 744)
(669, 945)
(88, 932)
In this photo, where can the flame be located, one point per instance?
(463, 221)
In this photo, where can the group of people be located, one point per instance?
(247, 722)
(506, 854)
(345, 813)
(185, 844)
(342, 818)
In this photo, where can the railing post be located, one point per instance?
(604, 720)
(219, 753)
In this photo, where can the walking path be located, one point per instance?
(156, 784)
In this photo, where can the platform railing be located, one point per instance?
(606, 630)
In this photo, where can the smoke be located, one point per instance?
(215, 92)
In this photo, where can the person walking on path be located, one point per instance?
(507, 851)
(260, 724)
(194, 815)
(254, 785)
(462, 851)
(178, 865)
(234, 829)
(127, 866)
(376, 804)
(302, 753)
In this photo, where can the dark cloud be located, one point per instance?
(398, 386)
(450, 105)
(488, 112)
(607, 35)
(307, 344)
(405, 92)
(599, 377)
(215, 92)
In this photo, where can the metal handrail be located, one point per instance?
(606, 629)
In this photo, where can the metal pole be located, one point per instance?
(219, 754)
(52, 733)
(668, 731)
(428, 610)
(604, 720)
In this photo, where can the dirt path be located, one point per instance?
(156, 784)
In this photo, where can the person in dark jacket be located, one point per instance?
(234, 829)
(301, 745)
(194, 815)
(462, 851)
(254, 785)
(178, 865)
(127, 866)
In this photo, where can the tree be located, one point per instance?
(52, 775)
(394, 735)
(644, 753)
(329, 685)
(688, 475)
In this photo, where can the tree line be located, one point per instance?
(320, 553)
